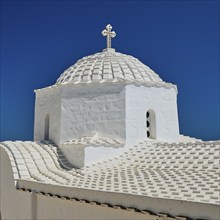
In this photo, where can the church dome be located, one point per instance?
(108, 66)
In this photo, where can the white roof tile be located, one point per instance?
(186, 171)
(109, 65)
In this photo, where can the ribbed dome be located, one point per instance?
(108, 66)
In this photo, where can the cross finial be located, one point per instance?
(109, 34)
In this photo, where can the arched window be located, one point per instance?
(150, 124)
(47, 127)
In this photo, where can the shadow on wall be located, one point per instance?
(47, 127)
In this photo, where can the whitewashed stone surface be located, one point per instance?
(108, 66)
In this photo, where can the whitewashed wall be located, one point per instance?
(109, 110)
(139, 99)
(92, 109)
(47, 102)
(11, 205)
(85, 155)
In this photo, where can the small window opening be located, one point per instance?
(148, 114)
(47, 127)
(150, 124)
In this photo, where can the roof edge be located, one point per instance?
(123, 81)
(173, 207)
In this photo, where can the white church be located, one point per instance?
(107, 146)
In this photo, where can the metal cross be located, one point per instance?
(110, 34)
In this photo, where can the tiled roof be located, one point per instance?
(109, 66)
(177, 179)
(183, 171)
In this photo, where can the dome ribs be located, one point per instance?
(110, 66)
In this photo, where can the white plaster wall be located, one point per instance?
(92, 109)
(80, 156)
(12, 206)
(47, 102)
(100, 153)
(194, 210)
(163, 101)
(75, 210)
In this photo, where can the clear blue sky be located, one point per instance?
(178, 39)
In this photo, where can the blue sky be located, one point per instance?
(178, 39)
